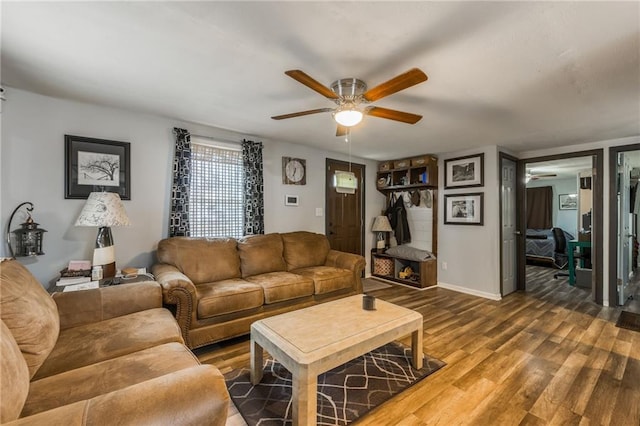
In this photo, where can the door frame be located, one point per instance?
(361, 190)
(504, 156)
(597, 206)
(613, 213)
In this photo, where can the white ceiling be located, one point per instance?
(565, 168)
(523, 75)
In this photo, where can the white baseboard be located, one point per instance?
(470, 291)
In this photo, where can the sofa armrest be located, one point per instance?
(350, 261)
(194, 396)
(178, 290)
(83, 307)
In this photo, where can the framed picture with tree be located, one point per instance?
(93, 165)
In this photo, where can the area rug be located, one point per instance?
(344, 393)
(629, 320)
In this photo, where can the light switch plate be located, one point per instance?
(318, 211)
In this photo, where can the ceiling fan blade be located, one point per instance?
(301, 113)
(396, 84)
(302, 77)
(342, 130)
(392, 114)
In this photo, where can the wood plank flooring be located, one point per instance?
(548, 356)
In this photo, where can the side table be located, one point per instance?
(107, 282)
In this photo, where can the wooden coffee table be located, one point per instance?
(313, 340)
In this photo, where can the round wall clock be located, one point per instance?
(294, 171)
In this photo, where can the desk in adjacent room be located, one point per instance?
(571, 247)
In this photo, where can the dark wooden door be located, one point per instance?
(345, 212)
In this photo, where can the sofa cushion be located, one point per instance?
(80, 384)
(281, 286)
(87, 344)
(203, 260)
(327, 278)
(228, 296)
(14, 377)
(260, 254)
(303, 249)
(29, 312)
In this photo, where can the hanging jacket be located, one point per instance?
(398, 218)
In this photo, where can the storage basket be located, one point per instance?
(383, 266)
(385, 166)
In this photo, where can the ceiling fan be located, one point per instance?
(531, 176)
(351, 97)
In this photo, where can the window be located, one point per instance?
(216, 198)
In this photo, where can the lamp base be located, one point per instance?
(109, 270)
(105, 257)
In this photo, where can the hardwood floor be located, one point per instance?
(549, 356)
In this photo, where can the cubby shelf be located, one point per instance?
(425, 271)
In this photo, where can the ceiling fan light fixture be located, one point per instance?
(348, 117)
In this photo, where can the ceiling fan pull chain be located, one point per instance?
(349, 141)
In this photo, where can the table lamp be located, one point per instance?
(381, 225)
(104, 209)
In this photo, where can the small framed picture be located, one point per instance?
(93, 165)
(464, 209)
(568, 201)
(464, 172)
(290, 200)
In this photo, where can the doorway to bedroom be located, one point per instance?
(560, 217)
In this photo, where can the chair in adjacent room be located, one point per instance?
(561, 250)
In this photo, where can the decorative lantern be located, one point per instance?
(28, 238)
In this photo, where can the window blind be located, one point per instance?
(216, 195)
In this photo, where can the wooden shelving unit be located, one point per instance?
(425, 272)
(408, 174)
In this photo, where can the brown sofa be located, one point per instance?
(217, 287)
(98, 357)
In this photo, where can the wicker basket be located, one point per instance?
(383, 266)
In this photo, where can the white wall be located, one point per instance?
(32, 158)
(472, 253)
(565, 219)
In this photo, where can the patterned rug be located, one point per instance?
(344, 393)
(629, 320)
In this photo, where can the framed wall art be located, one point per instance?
(464, 172)
(464, 209)
(93, 165)
(568, 201)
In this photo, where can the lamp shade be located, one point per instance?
(381, 224)
(103, 209)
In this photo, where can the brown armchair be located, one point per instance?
(79, 358)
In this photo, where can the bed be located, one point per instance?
(541, 247)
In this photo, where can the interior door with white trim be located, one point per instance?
(625, 234)
(508, 235)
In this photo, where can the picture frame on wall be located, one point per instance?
(93, 165)
(464, 209)
(568, 201)
(464, 172)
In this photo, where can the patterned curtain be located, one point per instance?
(179, 215)
(253, 188)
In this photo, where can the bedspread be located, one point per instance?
(541, 245)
